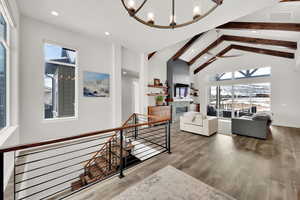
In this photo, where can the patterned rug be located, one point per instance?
(171, 184)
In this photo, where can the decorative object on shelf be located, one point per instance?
(158, 86)
(95, 84)
(194, 91)
(159, 100)
(156, 82)
(133, 9)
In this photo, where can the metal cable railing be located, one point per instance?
(59, 168)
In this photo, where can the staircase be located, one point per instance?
(105, 162)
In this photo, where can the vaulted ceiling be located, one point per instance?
(274, 31)
(94, 17)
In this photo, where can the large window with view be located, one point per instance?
(4, 49)
(59, 82)
(237, 100)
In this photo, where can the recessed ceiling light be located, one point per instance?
(254, 31)
(205, 57)
(54, 13)
(107, 33)
(124, 72)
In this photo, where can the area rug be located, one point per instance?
(170, 183)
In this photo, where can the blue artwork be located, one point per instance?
(95, 84)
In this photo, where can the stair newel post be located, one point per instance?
(135, 128)
(2, 176)
(169, 136)
(121, 155)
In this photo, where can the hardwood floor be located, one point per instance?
(245, 168)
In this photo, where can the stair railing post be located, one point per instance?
(169, 136)
(135, 128)
(109, 155)
(121, 155)
(2, 176)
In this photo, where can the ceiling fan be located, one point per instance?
(215, 57)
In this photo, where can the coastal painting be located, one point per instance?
(95, 84)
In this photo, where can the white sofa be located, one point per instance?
(198, 123)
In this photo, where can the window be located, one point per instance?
(239, 100)
(258, 72)
(4, 48)
(59, 82)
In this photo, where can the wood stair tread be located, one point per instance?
(76, 185)
(95, 171)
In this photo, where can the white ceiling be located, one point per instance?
(283, 12)
(94, 17)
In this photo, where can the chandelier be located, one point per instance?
(133, 10)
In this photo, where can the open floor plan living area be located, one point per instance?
(149, 100)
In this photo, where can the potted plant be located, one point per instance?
(159, 100)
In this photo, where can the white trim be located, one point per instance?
(4, 9)
(76, 107)
(6, 46)
(6, 132)
(59, 119)
(61, 63)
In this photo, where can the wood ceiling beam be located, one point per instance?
(248, 49)
(289, 0)
(241, 39)
(186, 47)
(264, 51)
(262, 26)
(281, 43)
(150, 55)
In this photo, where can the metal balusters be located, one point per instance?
(2, 176)
(169, 137)
(121, 155)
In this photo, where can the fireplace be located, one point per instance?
(181, 110)
(178, 109)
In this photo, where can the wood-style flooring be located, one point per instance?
(243, 167)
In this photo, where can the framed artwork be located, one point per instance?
(95, 84)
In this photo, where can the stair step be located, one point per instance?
(88, 180)
(82, 179)
(76, 185)
(95, 171)
(104, 165)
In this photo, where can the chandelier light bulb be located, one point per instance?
(173, 19)
(131, 7)
(196, 12)
(131, 4)
(150, 18)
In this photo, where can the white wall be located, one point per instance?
(128, 96)
(93, 55)
(284, 82)
(130, 60)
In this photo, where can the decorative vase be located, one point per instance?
(159, 103)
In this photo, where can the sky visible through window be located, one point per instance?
(54, 52)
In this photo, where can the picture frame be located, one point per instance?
(96, 84)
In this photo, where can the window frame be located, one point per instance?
(233, 97)
(7, 45)
(76, 95)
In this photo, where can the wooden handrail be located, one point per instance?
(38, 144)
